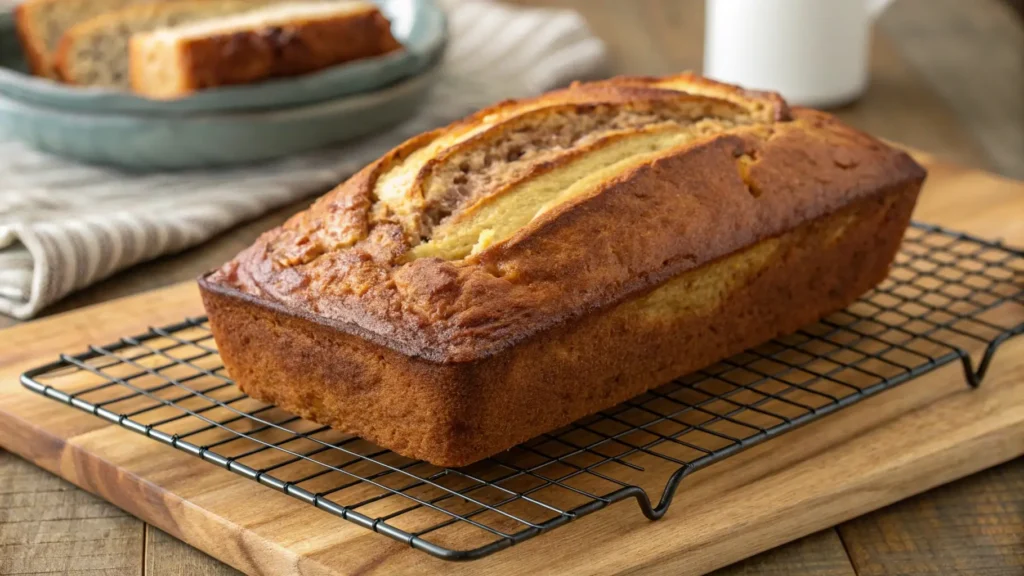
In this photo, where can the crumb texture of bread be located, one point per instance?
(42, 23)
(547, 258)
(270, 42)
(95, 52)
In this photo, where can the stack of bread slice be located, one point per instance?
(170, 49)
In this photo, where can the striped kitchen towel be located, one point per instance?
(65, 225)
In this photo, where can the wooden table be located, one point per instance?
(942, 81)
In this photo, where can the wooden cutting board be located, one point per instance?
(902, 442)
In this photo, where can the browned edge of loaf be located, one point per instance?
(453, 414)
(33, 52)
(276, 51)
(60, 66)
(452, 362)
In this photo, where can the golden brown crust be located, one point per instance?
(61, 64)
(243, 57)
(30, 43)
(452, 360)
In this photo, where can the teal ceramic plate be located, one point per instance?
(418, 24)
(197, 141)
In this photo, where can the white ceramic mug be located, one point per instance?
(813, 52)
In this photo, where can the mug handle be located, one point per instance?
(876, 7)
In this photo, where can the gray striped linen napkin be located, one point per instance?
(65, 225)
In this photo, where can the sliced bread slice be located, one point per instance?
(274, 41)
(95, 52)
(41, 23)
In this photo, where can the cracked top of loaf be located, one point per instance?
(465, 240)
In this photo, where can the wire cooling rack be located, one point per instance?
(948, 296)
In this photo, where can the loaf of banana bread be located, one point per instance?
(548, 258)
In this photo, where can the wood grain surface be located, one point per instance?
(820, 554)
(974, 526)
(49, 525)
(168, 556)
(943, 79)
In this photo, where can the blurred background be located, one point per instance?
(946, 76)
